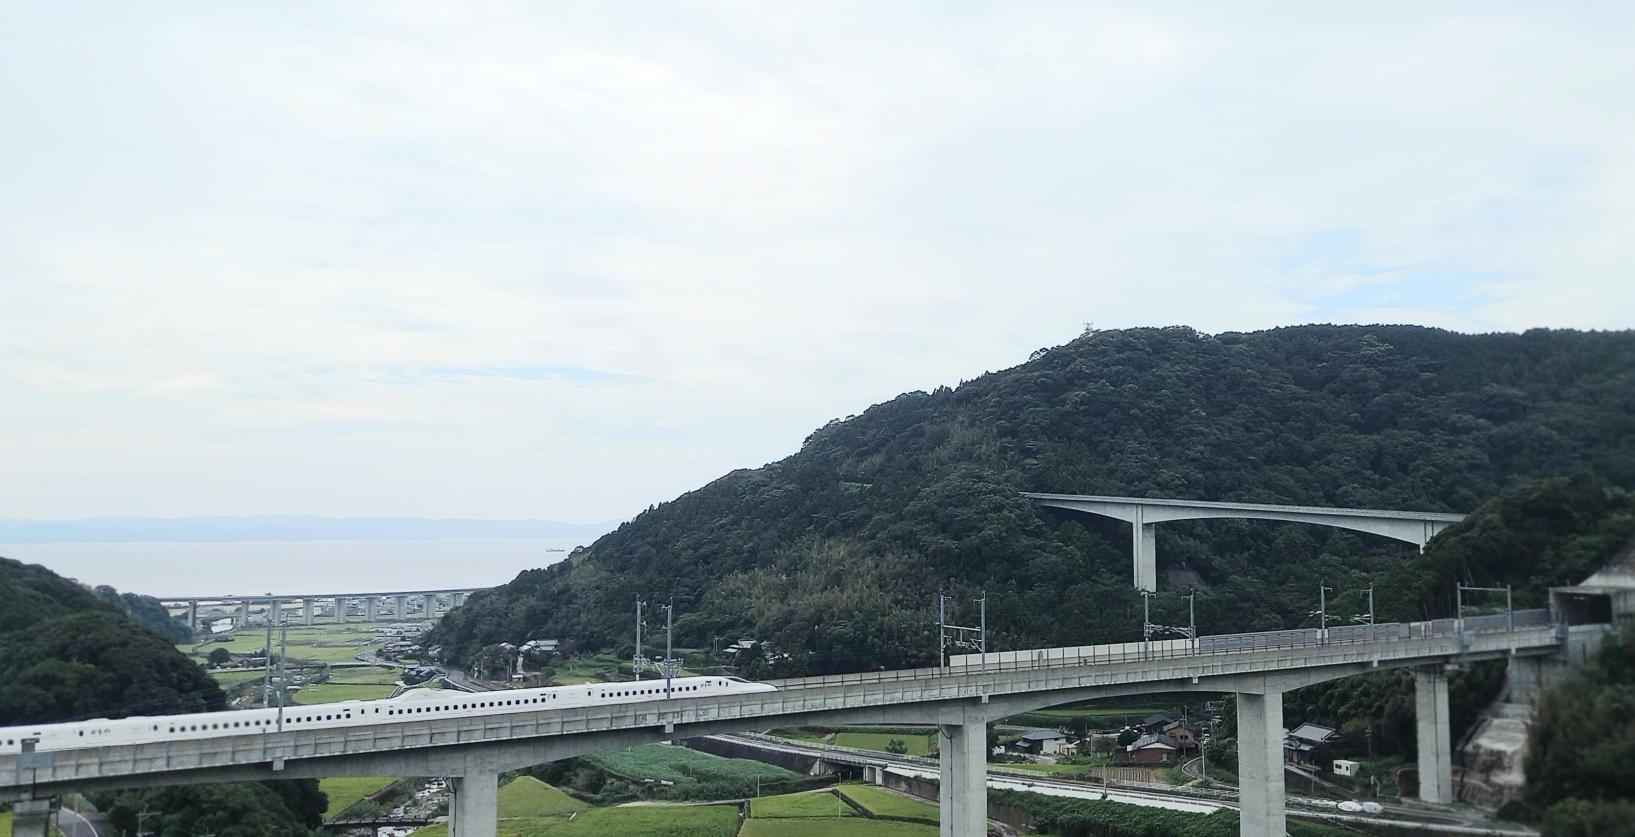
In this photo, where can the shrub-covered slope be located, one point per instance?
(834, 554)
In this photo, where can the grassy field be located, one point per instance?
(526, 796)
(918, 745)
(834, 828)
(233, 677)
(335, 693)
(637, 821)
(345, 790)
(883, 803)
(1049, 769)
(681, 765)
(376, 675)
(800, 805)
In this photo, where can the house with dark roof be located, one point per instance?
(1301, 743)
(1153, 749)
(1154, 724)
(1183, 733)
(1040, 742)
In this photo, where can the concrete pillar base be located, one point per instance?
(963, 793)
(306, 611)
(340, 610)
(1434, 735)
(1260, 765)
(474, 804)
(31, 818)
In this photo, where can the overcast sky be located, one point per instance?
(564, 260)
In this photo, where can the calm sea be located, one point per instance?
(289, 567)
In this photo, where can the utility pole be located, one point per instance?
(283, 676)
(266, 659)
(942, 633)
(1322, 612)
(1192, 618)
(141, 819)
(982, 638)
(1370, 605)
(636, 662)
(669, 662)
(1146, 622)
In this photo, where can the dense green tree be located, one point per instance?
(1581, 743)
(97, 665)
(148, 611)
(219, 657)
(240, 809)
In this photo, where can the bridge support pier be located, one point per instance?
(963, 792)
(369, 608)
(1145, 536)
(193, 616)
(1434, 735)
(243, 614)
(340, 610)
(306, 611)
(474, 804)
(1260, 764)
(402, 608)
(31, 818)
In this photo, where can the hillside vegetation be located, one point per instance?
(68, 653)
(834, 554)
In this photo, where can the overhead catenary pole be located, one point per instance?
(266, 661)
(636, 661)
(942, 632)
(283, 676)
(669, 662)
(982, 640)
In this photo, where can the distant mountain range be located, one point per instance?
(284, 528)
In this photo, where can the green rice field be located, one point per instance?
(815, 804)
(337, 692)
(628, 821)
(884, 803)
(526, 796)
(682, 766)
(816, 827)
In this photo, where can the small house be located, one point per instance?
(1153, 749)
(1301, 743)
(1183, 734)
(1040, 742)
(1347, 768)
(1154, 724)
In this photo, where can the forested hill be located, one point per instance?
(835, 553)
(68, 653)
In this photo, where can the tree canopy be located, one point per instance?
(67, 653)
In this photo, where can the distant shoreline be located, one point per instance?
(288, 528)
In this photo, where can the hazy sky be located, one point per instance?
(564, 260)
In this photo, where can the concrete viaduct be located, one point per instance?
(1144, 515)
(274, 605)
(960, 699)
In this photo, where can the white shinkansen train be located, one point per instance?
(412, 705)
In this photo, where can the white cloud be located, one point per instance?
(238, 242)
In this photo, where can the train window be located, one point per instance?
(82, 733)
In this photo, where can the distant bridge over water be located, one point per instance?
(397, 605)
(1145, 514)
